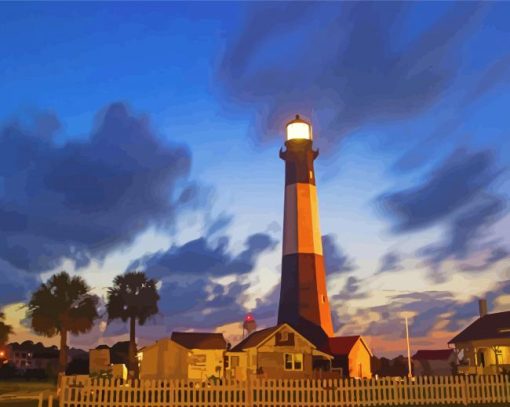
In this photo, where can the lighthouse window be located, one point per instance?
(311, 174)
(323, 298)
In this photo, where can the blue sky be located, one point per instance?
(138, 133)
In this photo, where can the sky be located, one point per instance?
(146, 135)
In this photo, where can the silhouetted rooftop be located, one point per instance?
(199, 340)
(490, 326)
(438, 354)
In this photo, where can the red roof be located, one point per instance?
(438, 354)
(342, 345)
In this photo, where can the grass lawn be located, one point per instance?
(33, 403)
(24, 403)
(25, 387)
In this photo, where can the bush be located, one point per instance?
(8, 371)
(78, 366)
(36, 374)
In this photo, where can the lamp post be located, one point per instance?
(409, 371)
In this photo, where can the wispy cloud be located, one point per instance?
(341, 62)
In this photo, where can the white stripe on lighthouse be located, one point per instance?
(301, 230)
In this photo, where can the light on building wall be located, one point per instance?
(299, 129)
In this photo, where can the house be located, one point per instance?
(276, 352)
(484, 346)
(185, 355)
(110, 359)
(29, 355)
(351, 356)
(99, 359)
(440, 362)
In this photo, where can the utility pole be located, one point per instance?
(409, 372)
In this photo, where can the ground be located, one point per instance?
(12, 392)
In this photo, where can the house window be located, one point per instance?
(284, 339)
(234, 361)
(293, 361)
(499, 356)
(481, 359)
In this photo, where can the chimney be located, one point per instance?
(482, 306)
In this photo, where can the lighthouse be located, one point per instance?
(303, 296)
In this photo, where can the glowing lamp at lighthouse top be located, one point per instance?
(299, 129)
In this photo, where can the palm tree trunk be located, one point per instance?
(63, 352)
(133, 365)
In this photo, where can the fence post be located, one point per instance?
(465, 390)
(248, 392)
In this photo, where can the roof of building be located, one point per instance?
(342, 345)
(102, 347)
(199, 340)
(437, 354)
(490, 326)
(255, 338)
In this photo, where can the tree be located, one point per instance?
(133, 297)
(61, 306)
(5, 330)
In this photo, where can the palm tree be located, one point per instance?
(61, 306)
(5, 330)
(133, 297)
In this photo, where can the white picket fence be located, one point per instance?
(463, 390)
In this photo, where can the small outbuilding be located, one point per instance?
(351, 356)
(439, 362)
(185, 355)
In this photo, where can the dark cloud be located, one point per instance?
(336, 261)
(456, 182)
(428, 306)
(200, 304)
(458, 195)
(15, 285)
(352, 289)
(201, 257)
(84, 198)
(190, 296)
(341, 62)
(218, 224)
(465, 229)
(390, 262)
